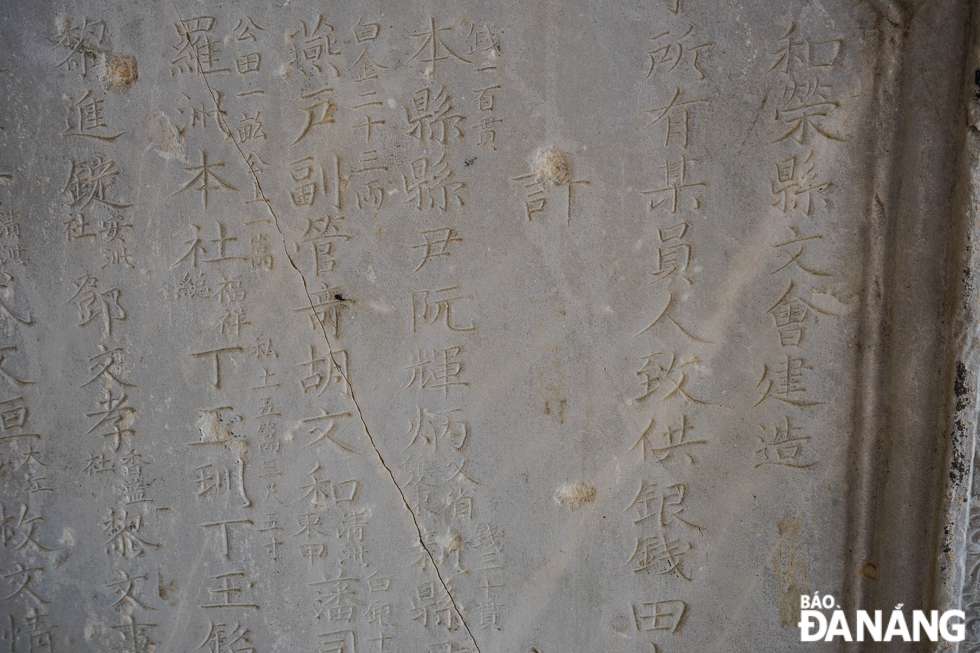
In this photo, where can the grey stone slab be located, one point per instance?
(462, 327)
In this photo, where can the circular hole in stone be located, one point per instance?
(869, 570)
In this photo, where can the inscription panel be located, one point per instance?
(455, 329)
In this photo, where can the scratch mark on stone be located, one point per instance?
(758, 113)
(184, 590)
(353, 395)
(556, 268)
(734, 627)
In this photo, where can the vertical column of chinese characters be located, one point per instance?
(101, 231)
(226, 521)
(27, 598)
(802, 139)
(313, 177)
(28, 484)
(221, 257)
(434, 476)
(434, 479)
(314, 183)
(433, 471)
(222, 502)
(245, 126)
(671, 440)
(347, 595)
(327, 527)
(433, 119)
(330, 192)
(218, 255)
(364, 79)
(484, 47)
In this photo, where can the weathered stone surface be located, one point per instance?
(457, 327)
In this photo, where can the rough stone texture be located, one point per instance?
(462, 327)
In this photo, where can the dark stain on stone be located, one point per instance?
(960, 388)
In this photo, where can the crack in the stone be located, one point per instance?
(343, 373)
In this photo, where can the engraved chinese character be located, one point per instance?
(432, 426)
(134, 636)
(676, 185)
(307, 50)
(94, 304)
(432, 117)
(795, 54)
(20, 577)
(197, 51)
(319, 111)
(668, 54)
(200, 114)
(802, 108)
(796, 184)
(785, 382)
(663, 375)
(436, 244)
(434, 44)
(432, 607)
(229, 588)
(431, 306)
(431, 185)
(678, 118)
(659, 615)
(794, 250)
(336, 597)
(535, 197)
(337, 642)
(81, 41)
(324, 428)
(665, 316)
(89, 181)
(114, 416)
(317, 379)
(661, 511)
(107, 365)
(122, 532)
(785, 448)
(205, 180)
(192, 285)
(86, 119)
(124, 589)
(789, 314)
(674, 252)
(485, 38)
(225, 638)
(675, 441)
(438, 369)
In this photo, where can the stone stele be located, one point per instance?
(467, 327)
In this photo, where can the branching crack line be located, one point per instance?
(343, 373)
